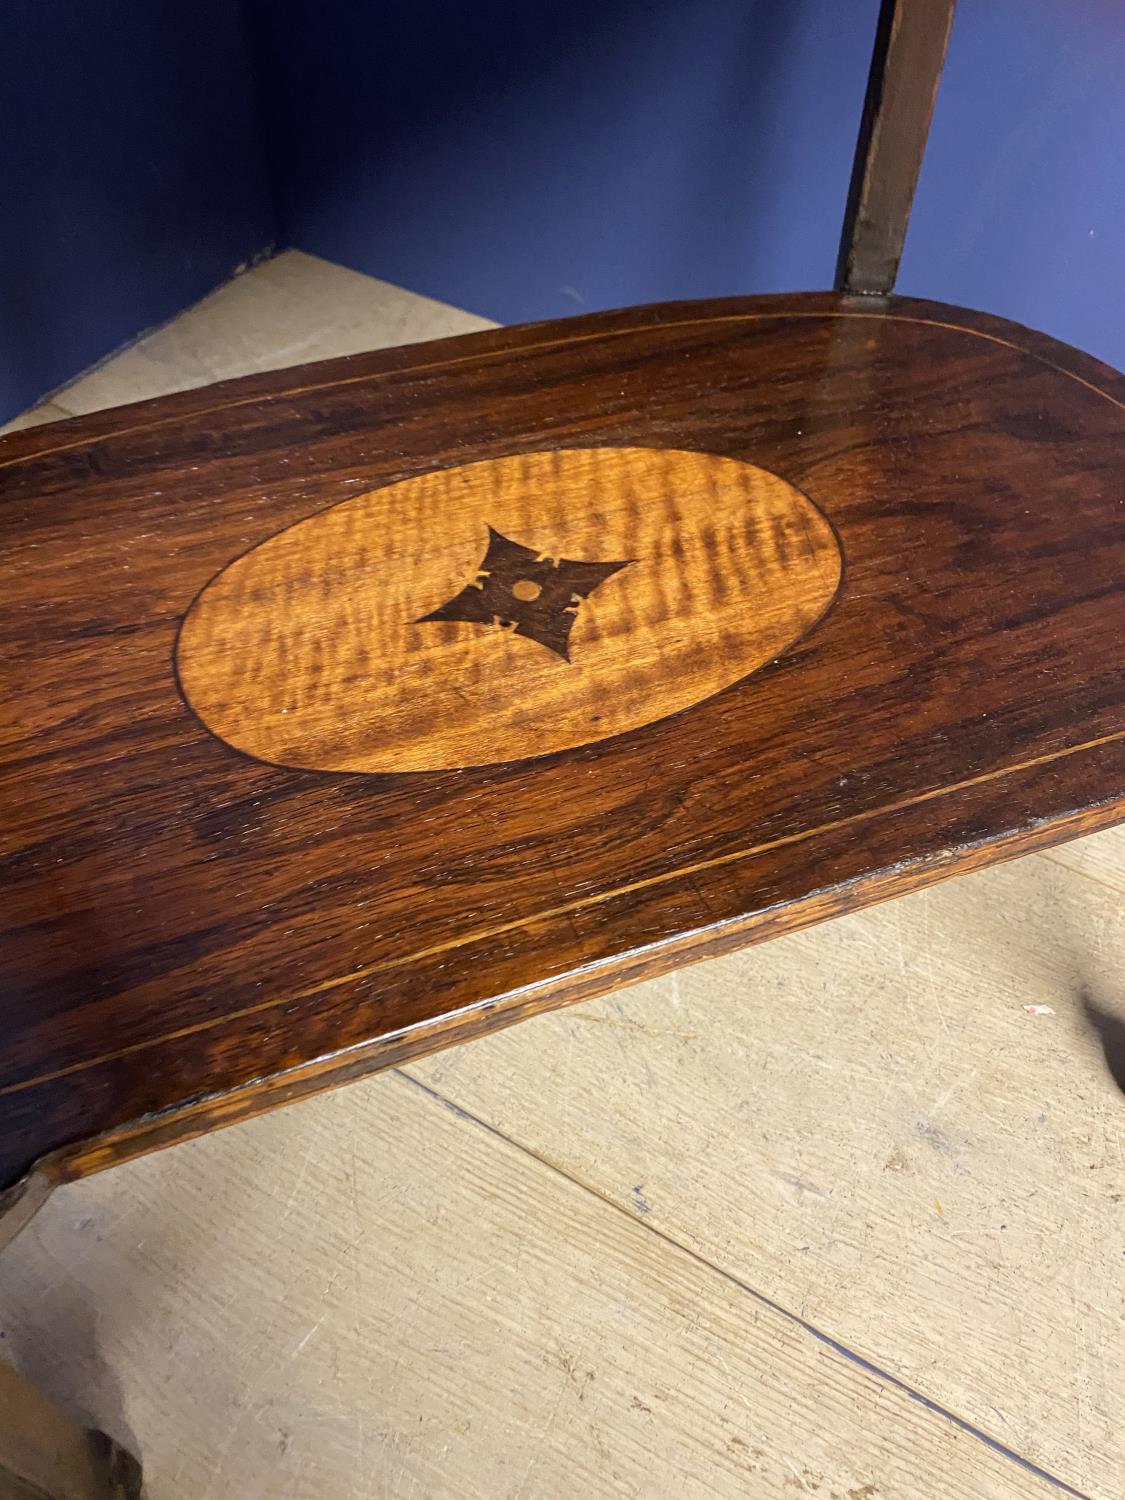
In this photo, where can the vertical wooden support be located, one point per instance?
(45, 1455)
(910, 44)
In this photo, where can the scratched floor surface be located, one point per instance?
(839, 1216)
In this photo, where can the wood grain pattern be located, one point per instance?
(373, 1296)
(910, 43)
(190, 935)
(463, 617)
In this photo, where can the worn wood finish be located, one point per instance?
(910, 44)
(191, 934)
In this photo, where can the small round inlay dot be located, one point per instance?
(526, 589)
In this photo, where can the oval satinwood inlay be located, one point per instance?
(505, 609)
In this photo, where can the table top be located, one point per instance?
(358, 709)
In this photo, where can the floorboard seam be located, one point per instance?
(1062, 864)
(969, 1428)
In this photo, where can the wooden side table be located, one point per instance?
(359, 709)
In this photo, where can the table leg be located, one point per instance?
(45, 1455)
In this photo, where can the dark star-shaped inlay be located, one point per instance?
(518, 589)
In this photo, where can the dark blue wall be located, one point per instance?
(1021, 202)
(132, 171)
(528, 158)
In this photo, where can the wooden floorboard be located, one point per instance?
(899, 1124)
(370, 1295)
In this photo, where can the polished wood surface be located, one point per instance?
(191, 934)
(409, 630)
(910, 44)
